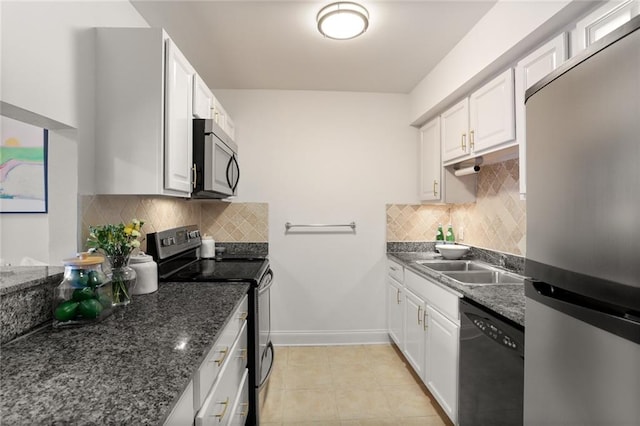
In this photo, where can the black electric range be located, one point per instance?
(176, 252)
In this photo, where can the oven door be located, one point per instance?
(265, 347)
(221, 169)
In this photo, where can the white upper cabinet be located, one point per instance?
(482, 123)
(430, 163)
(491, 114)
(178, 139)
(601, 22)
(529, 71)
(455, 128)
(202, 98)
(143, 113)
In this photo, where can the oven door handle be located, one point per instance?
(262, 289)
(273, 360)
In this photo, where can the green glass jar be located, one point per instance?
(450, 238)
(84, 295)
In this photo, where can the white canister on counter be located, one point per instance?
(146, 273)
(208, 247)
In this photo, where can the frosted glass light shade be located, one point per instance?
(342, 20)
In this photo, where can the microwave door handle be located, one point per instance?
(235, 185)
(229, 163)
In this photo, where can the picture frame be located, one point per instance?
(23, 167)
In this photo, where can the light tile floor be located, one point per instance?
(346, 385)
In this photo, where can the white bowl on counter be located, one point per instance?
(452, 251)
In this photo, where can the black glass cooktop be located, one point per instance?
(226, 269)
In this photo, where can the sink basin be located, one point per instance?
(452, 265)
(485, 277)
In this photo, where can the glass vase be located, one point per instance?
(123, 279)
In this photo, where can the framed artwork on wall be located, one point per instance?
(23, 167)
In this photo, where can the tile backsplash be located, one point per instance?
(496, 221)
(226, 222)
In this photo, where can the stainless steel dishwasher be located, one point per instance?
(491, 374)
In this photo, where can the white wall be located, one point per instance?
(47, 76)
(325, 157)
(505, 33)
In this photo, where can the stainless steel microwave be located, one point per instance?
(215, 161)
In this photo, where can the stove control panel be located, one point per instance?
(164, 244)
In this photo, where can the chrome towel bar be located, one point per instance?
(290, 225)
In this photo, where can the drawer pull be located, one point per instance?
(472, 140)
(419, 316)
(424, 321)
(224, 353)
(243, 354)
(224, 411)
(243, 316)
(245, 409)
(398, 296)
(393, 268)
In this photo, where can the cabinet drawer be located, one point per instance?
(241, 405)
(215, 359)
(217, 406)
(396, 271)
(442, 299)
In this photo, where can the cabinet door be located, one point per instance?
(395, 312)
(491, 113)
(430, 164)
(442, 361)
(178, 124)
(529, 71)
(454, 124)
(202, 98)
(414, 343)
(601, 22)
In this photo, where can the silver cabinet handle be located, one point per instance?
(419, 316)
(463, 142)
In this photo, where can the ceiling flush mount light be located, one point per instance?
(342, 20)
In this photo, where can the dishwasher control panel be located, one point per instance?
(493, 331)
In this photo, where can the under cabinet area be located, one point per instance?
(423, 320)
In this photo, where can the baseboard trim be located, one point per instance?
(329, 337)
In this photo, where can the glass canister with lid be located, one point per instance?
(84, 295)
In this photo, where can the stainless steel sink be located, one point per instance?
(453, 265)
(485, 277)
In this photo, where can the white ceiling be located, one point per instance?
(275, 44)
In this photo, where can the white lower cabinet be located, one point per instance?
(441, 372)
(423, 320)
(241, 405)
(395, 312)
(414, 335)
(218, 394)
(395, 303)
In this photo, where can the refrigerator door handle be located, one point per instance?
(614, 319)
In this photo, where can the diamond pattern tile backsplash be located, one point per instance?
(496, 221)
(226, 222)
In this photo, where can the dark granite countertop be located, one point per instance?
(129, 369)
(15, 278)
(506, 300)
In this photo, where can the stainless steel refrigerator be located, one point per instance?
(582, 318)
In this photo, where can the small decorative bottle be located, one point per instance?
(439, 235)
(450, 238)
